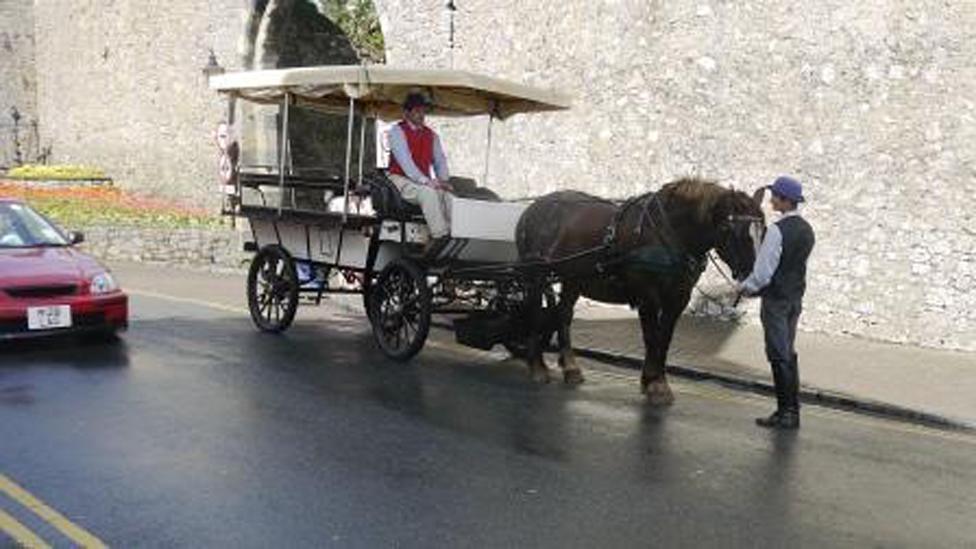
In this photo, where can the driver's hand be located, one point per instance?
(743, 291)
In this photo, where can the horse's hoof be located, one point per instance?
(540, 377)
(573, 377)
(659, 394)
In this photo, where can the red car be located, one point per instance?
(47, 286)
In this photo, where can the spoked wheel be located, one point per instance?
(400, 305)
(272, 290)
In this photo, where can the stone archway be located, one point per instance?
(294, 33)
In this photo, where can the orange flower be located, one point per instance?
(102, 199)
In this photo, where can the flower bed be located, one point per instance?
(119, 225)
(85, 206)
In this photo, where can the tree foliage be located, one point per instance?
(359, 21)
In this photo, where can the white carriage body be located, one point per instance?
(485, 232)
(488, 227)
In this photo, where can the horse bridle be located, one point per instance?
(733, 222)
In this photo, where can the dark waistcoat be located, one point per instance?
(790, 279)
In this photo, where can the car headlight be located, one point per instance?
(103, 283)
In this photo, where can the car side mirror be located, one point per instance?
(76, 237)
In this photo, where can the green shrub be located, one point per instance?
(64, 172)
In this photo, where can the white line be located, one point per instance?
(188, 300)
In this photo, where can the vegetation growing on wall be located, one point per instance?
(358, 20)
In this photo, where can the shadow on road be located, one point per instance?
(324, 365)
(66, 351)
(697, 341)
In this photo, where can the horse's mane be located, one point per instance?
(702, 192)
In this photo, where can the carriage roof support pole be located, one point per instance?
(345, 193)
(281, 151)
(231, 122)
(484, 181)
(362, 145)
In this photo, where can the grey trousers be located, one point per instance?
(779, 320)
(435, 203)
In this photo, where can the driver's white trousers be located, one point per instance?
(435, 203)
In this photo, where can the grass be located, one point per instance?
(73, 207)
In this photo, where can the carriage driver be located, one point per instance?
(418, 167)
(779, 276)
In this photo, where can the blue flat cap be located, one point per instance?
(788, 188)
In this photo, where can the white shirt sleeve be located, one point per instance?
(401, 151)
(766, 261)
(440, 160)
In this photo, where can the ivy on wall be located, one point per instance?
(358, 20)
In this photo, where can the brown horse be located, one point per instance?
(648, 253)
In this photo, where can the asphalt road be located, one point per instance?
(197, 431)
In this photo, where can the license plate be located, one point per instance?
(46, 318)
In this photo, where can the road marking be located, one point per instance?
(189, 300)
(74, 532)
(840, 415)
(21, 535)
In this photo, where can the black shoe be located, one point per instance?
(780, 420)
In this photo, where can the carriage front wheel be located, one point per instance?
(400, 306)
(272, 289)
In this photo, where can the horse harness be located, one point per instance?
(668, 258)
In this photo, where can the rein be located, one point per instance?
(614, 256)
(728, 279)
(663, 230)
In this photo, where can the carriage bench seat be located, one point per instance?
(389, 203)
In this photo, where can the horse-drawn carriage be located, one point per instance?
(316, 233)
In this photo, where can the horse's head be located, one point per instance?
(740, 224)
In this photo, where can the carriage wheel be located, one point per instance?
(400, 306)
(272, 290)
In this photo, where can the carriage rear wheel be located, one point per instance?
(272, 289)
(400, 308)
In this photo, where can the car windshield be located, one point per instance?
(22, 227)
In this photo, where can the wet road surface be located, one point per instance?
(195, 430)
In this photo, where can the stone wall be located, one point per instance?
(871, 104)
(212, 248)
(17, 83)
(125, 89)
(121, 87)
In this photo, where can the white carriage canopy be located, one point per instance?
(380, 90)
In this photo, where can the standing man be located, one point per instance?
(418, 167)
(779, 276)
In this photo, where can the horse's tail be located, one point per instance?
(528, 232)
